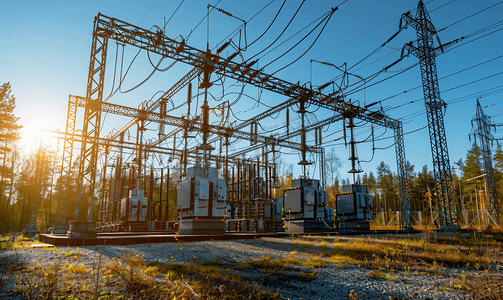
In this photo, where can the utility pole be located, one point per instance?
(435, 108)
(483, 134)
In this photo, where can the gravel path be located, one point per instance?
(333, 281)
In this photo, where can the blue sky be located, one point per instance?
(46, 48)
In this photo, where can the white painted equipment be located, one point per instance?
(201, 202)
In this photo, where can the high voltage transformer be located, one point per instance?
(201, 202)
(305, 207)
(354, 207)
(134, 211)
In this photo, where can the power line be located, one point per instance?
(476, 13)
(447, 76)
(319, 34)
(146, 12)
(286, 27)
(164, 27)
(268, 27)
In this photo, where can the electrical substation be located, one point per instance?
(185, 150)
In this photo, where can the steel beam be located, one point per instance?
(403, 177)
(181, 122)
(92, 116)
(191, 75)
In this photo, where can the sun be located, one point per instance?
(37, 126)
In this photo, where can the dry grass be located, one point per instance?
(409, 254)
(483, 287)
(380, 227)
(426, 255)
(131, 278)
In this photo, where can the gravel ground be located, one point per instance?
(333, 282)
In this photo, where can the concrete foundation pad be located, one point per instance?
(201, 227)
(304, 226)
(132, 239)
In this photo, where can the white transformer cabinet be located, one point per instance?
(201, 202)
(134, 211)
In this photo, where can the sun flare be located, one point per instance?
(37, 127)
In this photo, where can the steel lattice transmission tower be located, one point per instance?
(484, 136)
(435, 107)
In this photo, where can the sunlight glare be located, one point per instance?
(34, 124)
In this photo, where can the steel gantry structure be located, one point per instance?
(482, 133)
(207, 63)
(435, 107)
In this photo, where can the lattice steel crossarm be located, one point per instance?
(107, 142)
(181, 122)
(158, 43)
(292, 134)
(191, 75)
(222, 131)
(122, 110)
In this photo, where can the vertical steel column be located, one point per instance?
(403, 177)
(166, 207)
(160, 196)
(151, 210)
(425, 51)
(103, 184)
(66, 164)
(92, 116)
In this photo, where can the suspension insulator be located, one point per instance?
(189, 93)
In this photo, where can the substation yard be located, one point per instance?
(376, 266)
(224, 184)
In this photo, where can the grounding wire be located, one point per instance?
(232, 34)
(453, 88)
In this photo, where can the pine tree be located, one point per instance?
(498, 159)
(419, 191)
(498, 172)
(9, 129)
(9, 133)
(385, 182)
(472, 166)
(33, 189)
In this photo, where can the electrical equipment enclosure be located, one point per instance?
(305, 200)
(354, 204)
(134, 211)
(134, 208)
(304, 206)
(201, 202)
